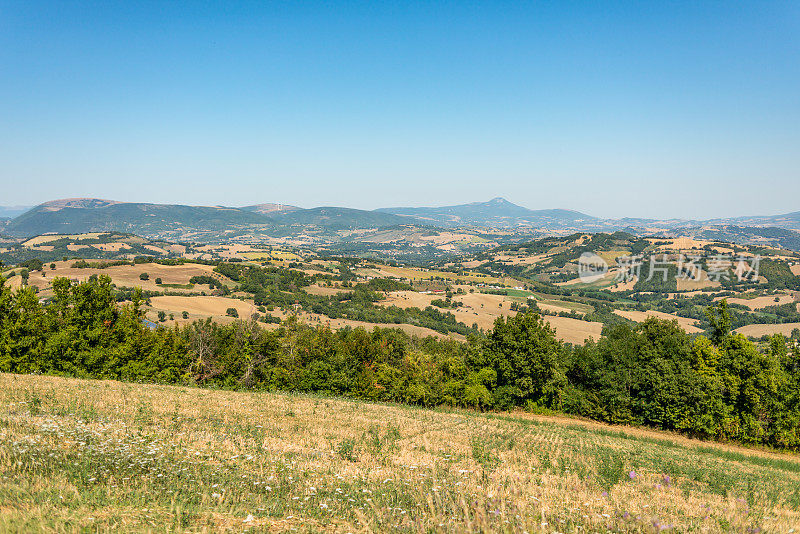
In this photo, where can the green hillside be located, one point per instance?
(142, 219)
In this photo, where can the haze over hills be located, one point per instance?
(9, 212)
(341, 218)
(271, 209)
(498, 212)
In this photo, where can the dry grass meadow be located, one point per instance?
(79, 455)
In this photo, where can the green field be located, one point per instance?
(100, 455)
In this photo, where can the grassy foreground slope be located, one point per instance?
(98, 455)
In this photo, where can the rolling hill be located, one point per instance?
(74, 216)
(271, 209)
(335, 224)
(341, 218)
(497, 212)
(142, 457)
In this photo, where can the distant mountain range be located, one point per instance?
(497, 213)
(340, 218)
(206, 223)
(71, 216)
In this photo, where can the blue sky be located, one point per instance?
(681, 109)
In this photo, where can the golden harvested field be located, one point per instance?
(425, 274)
(606, 280)
(760, 302)
(15, 282)
(681, 243)
(517, 259)
(574, 331)
(336, 324)
(484, 309)
(316, 289)
(42, 239)
(639, 316)
(128, 275)
(278, 255)
(201, 307)
(624, 286)
(795, 269)
(758, 330)
(688, 284)
(80, 455)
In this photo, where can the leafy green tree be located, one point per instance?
(527, 358)
(719, 318)
(144, 276)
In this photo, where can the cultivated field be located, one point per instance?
(484, 309)
(97, 455)
(128, 275)
(760, 302)
(758, 330)
(416, 274)
(200, 307)
(640, 316)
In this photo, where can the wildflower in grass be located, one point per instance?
(632, 475)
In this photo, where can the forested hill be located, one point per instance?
(144, 219)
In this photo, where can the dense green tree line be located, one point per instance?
(717, 387)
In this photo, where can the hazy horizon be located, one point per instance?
(688, 110)
(621, 216)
